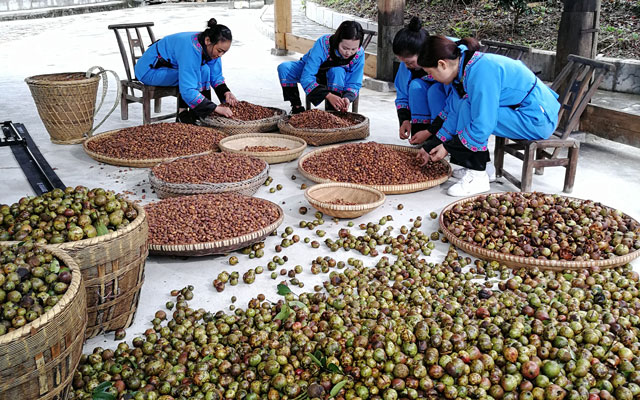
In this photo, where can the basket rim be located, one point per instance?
(279, 153)
(386, 189)
(139, 163)
(308, 193)
(72, 291)
(213, 121)
(205, 185)
(196, 248)
(284, 123)
(38, 79)
(528, 262)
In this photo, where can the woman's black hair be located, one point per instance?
(348, 30)
(216, 32)
(409, 40)
(441, 48)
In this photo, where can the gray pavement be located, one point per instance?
(607, 171)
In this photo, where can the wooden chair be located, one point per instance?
(131, 52)
(368, 35)
(514, 51)
(577, 82)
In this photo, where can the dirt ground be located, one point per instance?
(485, 19)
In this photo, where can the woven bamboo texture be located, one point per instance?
(37, 361)
(321, 196)
(247, 187)
(66, 107)
(237, 143)
(319, 137)
(219, 246)
(234, 127)
(527, 262)
(124, 162)
(386, 189)
(112, 267)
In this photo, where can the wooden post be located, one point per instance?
(282, 23)
(390, 21)
(578, 31)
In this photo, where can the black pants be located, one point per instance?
(291, 94)
(460, 155)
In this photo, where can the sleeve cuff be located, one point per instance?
(404, 114)
(436, 124)
(204, 109)
(318, 94)
(350, 95)
(220, 90)
(431, 143)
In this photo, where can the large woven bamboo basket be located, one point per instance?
(65, 103)
(246, 187)
(527, 262)
(234, 127)
(319, 137)
(237, 144)
(386, 189)
(323, 196)
(126, 162)
(37, 361)
(219, 246)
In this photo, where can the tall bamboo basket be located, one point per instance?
(37, 361)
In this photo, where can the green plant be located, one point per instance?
(102, 392)
(461, 29)
(516, 7)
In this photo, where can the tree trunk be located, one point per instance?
(578, 32)
(390, 21)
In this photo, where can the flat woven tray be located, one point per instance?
(219, 246)
(319, 137)
(124, 162)
(386, 189)
(367, 199)
(527, 262)
(247, 187)
(236, 144)
(234, 127)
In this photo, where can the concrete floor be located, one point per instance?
(608, 172)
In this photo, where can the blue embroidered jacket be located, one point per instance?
(404, 76)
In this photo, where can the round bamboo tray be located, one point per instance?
(237, 143)
(219, 246)
(366, 199)
(168, 189)
(527, 262)
(37, 361)
(124, 162)
(234, 127)
(386, 189)
(319, 137)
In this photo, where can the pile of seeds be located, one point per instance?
(207, 218)
(244, 111)
(31, 282)
(210, 168)
(544, 226)
(153, 141)
(372, 163)
(318, 119)
(261, 149)
(65, 216)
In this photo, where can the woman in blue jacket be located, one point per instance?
(331, 70)
(419, 98)
(491, 94)
(191, 61)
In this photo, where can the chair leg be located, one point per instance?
(540, 156)
(572, 167)
(146, 107)
(157, 106)
(527, 168)
(307, 103)
(124, 104)
(498, 155)
(354, 105)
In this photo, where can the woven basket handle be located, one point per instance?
(105, 87)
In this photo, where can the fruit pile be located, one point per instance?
(318, 119)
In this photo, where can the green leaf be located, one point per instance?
(336, 389)
(283, 289)
(101, 229)
(102, 387)
(318, 354)
(297, 303)
(334, 368)
(100, 393)
(207, 358)
(315, 359)
(284, 312)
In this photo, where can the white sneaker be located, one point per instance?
(473, 182)
(458, 173)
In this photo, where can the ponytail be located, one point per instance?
(437, 48)
(409, 40)
(216, 32)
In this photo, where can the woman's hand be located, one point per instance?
(420, 137)
(422, 157)
(345, 104)
(405, 130)
(336, 102)
(230, 99)
(438, 153)
(224, 111)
